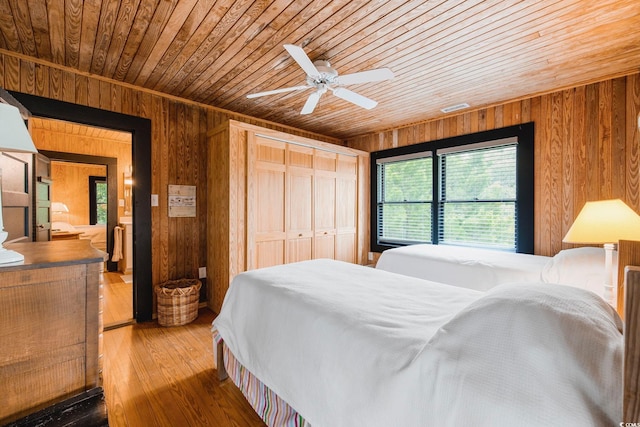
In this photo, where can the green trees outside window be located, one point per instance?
(101, 202)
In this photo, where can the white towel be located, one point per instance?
(117, 244)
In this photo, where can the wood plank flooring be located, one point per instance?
(158, 376)
(118, 299)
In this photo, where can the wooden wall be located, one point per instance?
(71, 187)
(587, 148)
(65, 142)
(179, 147)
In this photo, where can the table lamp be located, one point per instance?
(59, 207)
(605, 222)
(15, 137)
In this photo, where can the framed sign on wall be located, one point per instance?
(182, 201)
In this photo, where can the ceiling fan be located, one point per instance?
(321, 77)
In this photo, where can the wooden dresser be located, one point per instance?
(50, 325)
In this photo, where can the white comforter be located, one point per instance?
(475, 268)
(353, 346)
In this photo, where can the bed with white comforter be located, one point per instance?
(346, 345)
(482, 269)
(97, 233)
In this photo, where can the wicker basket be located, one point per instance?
(178, 301)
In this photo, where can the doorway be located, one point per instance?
(140, 130)
(87, 191)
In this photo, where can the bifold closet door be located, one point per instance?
(299, 203)
(346, 208)
(325, 164)
(266, 203)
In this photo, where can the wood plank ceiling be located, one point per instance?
(66, 128)
(443, 52)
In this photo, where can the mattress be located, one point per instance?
(348, 345)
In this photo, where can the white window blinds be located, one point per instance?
(405, 197)
(477, 196)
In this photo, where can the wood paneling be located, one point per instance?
(179, 152)
(567, 121)
(442, 52)
(587, 147)
(55, 135)
(71, 187)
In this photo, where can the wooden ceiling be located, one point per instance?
(79, 130)
(443, 52)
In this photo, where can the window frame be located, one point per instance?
(380, 194)
(93, 201)
(524, 133)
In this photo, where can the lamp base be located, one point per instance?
(609, 288)
(9, 257)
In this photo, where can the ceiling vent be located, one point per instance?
(456, 107)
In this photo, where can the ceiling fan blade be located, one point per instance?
(311, 103)
(366, 76)
(300, 56)
(354, 98)
(275, 91)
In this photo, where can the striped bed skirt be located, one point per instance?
(274, 411)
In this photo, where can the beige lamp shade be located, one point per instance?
(605, 221)
(59, 207)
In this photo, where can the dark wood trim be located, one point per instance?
(140, 129)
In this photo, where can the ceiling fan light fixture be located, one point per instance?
(322, 77)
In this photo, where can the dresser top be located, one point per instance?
(54, 253)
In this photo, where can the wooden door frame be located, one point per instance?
(112, 183)
(140, 129)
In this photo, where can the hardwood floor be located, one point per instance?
(118, 300)
(158, 376)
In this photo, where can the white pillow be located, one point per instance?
(580, 267)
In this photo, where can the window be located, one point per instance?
(97, 200)
(473, 190)
(478, 196)
(405, 200)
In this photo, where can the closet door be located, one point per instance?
(299, 203)
(325, 204)
(346, 208)
(267, 191)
